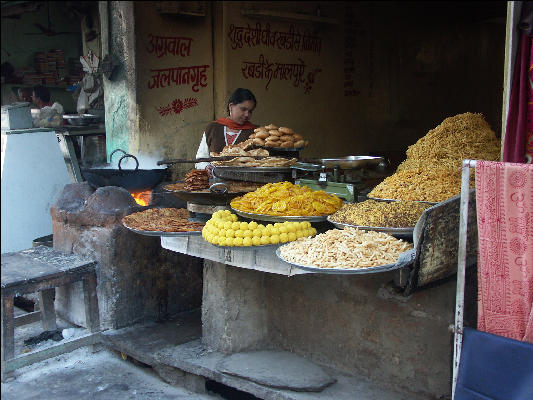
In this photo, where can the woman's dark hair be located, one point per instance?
(42, 93)
(241, 95)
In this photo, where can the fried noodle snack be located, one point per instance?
(286, 199)
(348, 248)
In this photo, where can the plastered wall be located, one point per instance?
(175, 82)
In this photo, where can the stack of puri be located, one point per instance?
(282, 137)
(196, 179)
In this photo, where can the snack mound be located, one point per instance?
(224, 229)
(282, 137)
(162, 220)
(396, 214)
(286, 199)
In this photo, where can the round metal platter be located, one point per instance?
(232, 168)
(265, 246)
(416, 201)
(345, 271)
(277, 218)
(282, 148)
(162, 234)
(384, 229)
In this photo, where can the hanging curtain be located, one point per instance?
(504, 200)
(518, 142)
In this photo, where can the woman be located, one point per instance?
(227, 131)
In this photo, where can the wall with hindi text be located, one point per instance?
(174, 81)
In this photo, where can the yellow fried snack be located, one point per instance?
(286, 199)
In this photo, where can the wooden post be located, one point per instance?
(8, 332)
(92, 316)
(48, 312)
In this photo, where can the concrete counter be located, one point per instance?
(358, 325)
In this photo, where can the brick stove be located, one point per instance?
(138, 280)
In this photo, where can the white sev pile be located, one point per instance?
(348, 248)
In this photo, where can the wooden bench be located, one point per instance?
(41, 269)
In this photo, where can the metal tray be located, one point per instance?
(207, 198)
(350, 162)
(248, 247)
(282, 148)
(384, 229)
(162, 234)
(416, 201)
(404, 260)
(277, 218)
(233, 168)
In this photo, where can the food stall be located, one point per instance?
(282, 258)
(323, 332)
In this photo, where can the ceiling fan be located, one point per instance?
(48, 31)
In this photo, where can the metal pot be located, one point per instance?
(133, 180)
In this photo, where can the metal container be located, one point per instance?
(81, 120)
(16, 116)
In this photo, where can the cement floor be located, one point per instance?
(83, 375)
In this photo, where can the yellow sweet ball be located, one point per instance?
(266, 232)
(222, 232)
(237, 241)
(239, 233)
(260, 226)
(299, 233)
(219, 224)
(274, 239)
(291, 227)
(307, 232)
(227, 225)
(230, 233)
(234, 218)
(244, 226)
(269, 226)
(214, 239)
(222, 240)
(303, 225)
(235, 225)
(252, 225)
(283, 229)
(292, 236)
(227, 213)
(283, 237)
(313, 231)
(265, 240)
(277, 224)
(256, 240)
(247, 233)
(247, 241)
(257, 232)
(274, 231)
(307, 224)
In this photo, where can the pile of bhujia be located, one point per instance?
(348, 248)
(243, 153)
(432, 170)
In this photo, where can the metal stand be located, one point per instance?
(461, 266)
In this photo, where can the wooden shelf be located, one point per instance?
(287, 16)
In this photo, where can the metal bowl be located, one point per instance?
(80, 120)
(349, 162)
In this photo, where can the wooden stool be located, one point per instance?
(42, 269)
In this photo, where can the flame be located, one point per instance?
(142, 198)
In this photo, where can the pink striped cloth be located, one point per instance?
(504, 198)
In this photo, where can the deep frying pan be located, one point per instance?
(133, 180)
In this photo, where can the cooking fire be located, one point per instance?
(142, 198)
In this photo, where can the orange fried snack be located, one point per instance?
(286, 199)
